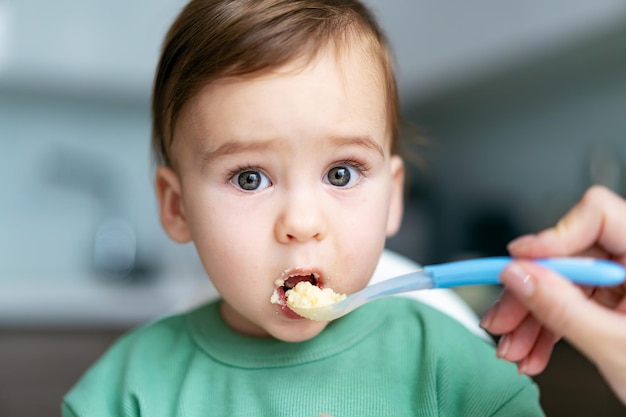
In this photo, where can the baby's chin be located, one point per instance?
(296, 331)
(275, 325)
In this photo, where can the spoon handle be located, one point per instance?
(586, 271)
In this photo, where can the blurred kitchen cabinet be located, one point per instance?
(37, 367)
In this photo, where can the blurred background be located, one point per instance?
(522, 105)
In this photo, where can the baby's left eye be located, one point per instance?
(342, 176)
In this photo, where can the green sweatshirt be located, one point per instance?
(392, 357)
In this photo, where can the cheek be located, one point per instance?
(362, 232)
(233, 258)
(231, 241)
(367, 216)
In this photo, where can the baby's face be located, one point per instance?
(285, 174)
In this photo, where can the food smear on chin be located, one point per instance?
(307, 295)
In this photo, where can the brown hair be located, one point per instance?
(213, 39)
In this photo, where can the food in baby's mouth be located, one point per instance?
(307, 295)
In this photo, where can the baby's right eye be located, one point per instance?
(250, 180)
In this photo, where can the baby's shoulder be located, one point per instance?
(150, 345)
(425, 317)
(153, 343)
(135, 363)
(164, 329)
(463, 363)
(441, 335)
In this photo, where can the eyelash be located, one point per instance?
(362, 168)
(242, 168)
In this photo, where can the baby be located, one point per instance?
(275, 130)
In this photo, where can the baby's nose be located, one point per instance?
(301, 218)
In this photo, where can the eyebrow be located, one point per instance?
(234, 147)
(365, 141)
(237, 146)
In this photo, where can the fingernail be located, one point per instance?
(516, 279)
(522, 366)
(487, 319)
(519, 243)
(503, 346)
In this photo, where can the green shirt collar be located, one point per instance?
(234, 349)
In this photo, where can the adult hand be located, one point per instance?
(538, 306)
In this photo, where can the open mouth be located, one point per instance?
(288, 282)
(294, 280)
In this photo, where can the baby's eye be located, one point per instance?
(250, 180)
(342, 176)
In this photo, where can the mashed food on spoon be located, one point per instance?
(307, 295)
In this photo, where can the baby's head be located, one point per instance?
(274, 128)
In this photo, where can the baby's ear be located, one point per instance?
(396, 199)
(171, 211)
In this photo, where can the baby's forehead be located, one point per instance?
(361, 56)
(346, 74)
(336, 95)
(347, 61)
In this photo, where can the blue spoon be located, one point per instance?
(483, 271)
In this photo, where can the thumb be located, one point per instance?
(559, 305)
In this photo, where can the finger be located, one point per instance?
(597, 217)
(559, 305)
(505, 315)
(538, 358)
(518, 344)
(593, 252)
(611, 297)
